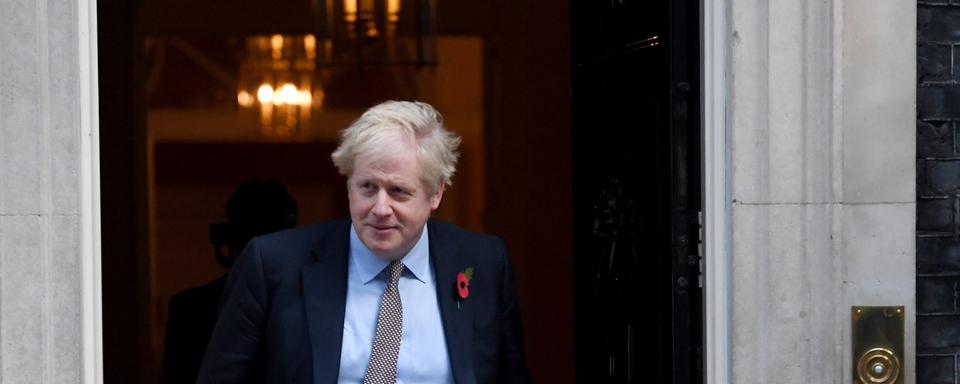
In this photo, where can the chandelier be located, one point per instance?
(278, 80)
(281, 76)
(377, 32)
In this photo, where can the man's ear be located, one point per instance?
(435, 199)
(347, 184)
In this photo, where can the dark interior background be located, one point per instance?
(523, 193)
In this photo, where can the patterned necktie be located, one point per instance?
(386, 343)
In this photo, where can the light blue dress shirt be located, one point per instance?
(423, 349)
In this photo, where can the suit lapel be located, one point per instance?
(325, 295)
(457, 320)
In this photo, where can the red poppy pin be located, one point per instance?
(463, 284)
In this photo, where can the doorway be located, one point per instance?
(177, 142)
(543, 161)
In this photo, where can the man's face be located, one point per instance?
(389, 204)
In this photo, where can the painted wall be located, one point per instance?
(823, 201)
(527, 92)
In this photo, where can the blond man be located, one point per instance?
(387, 295)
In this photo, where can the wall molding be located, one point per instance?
(716, 181)
(92, 330)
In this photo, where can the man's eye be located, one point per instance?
(399, 191)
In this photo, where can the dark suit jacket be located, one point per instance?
(281, 318)
(190, 320)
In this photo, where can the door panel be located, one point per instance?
(636, 191)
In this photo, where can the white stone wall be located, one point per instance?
(40, 269)
(822, 171)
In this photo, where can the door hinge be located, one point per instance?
(700, 248)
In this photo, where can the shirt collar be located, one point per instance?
(369, 265)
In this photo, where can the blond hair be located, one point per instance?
(393, 122)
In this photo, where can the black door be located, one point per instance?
(636, 157)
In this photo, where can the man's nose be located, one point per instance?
(381, 206)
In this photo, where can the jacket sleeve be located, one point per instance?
(233, 353)
(181, 355)
(512, 367)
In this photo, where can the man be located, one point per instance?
(257, 207)
(386, 296)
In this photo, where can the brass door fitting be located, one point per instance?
(878, 345)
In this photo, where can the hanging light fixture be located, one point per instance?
(278, 80)
(281, 76)
(376, 32)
